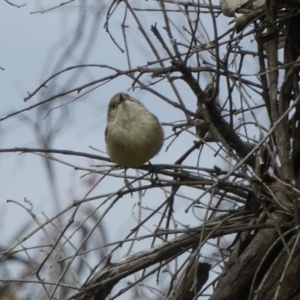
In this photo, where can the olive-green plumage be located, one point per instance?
(133, 135)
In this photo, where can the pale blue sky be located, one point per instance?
(33, 47)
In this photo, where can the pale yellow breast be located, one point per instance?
(132, 144)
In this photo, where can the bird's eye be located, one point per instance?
(113, 106)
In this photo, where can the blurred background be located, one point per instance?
(67, 59)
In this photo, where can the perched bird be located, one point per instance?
(133, 135)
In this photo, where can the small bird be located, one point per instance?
(133, 135)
